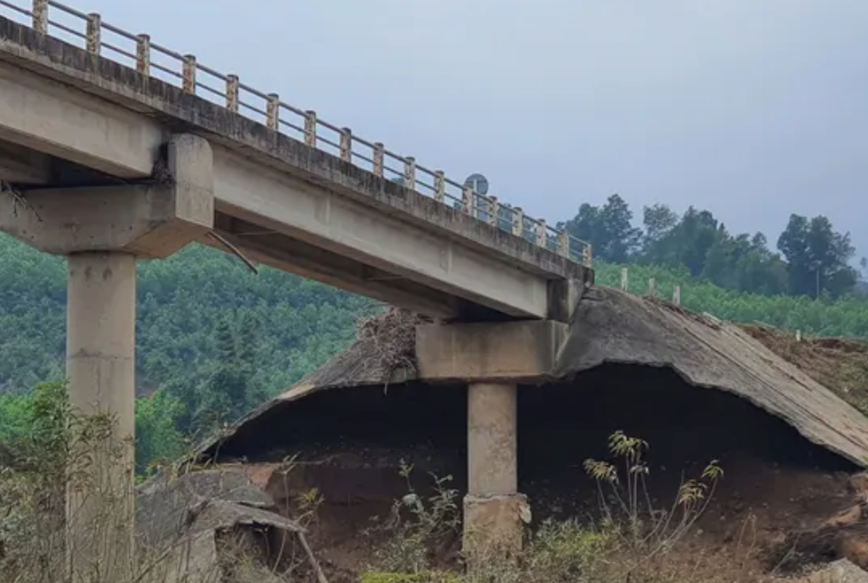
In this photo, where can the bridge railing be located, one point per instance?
(137, 51)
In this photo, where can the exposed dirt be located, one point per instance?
(767, 513)
(783, 503)
(837, 363)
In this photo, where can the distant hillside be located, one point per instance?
(215, 340)
(298, 323)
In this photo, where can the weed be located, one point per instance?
(631, 542)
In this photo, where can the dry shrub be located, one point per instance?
(57, 457)
(633, 541)
(389, 342)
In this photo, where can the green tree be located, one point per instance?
(158, 440)
(817, 257)
(608, 229)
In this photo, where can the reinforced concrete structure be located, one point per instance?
(104, 161)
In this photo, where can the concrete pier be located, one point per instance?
(492, 358)
(101, 319)
(102, 231)
(492, 507)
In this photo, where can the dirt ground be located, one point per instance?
(770, 512)
(839, 364)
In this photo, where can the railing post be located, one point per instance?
(439, 186)
(564, 243)
(410, 172)
(232, 93)
(347, 145)
(143, 54)
(652, 288)
(493, 207)
(541, 238)
(40, 16)
(310, 128)
(379, 155)
(189, 74)
(586, 255)
(467, 199)
(272, 111)
(625, 284)
(94, 28)
(676, 295)
(518, 222)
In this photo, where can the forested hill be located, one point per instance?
(288, 325)
(215, 339)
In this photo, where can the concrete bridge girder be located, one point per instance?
(393, 242)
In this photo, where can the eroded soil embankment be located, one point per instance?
(776, 493)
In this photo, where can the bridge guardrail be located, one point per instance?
(154, 60)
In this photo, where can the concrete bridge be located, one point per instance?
(107, 155)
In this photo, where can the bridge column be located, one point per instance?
(492, 506)
(102, 231)
(491, 358)
(100, 367)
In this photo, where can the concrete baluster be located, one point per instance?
(518, 222)
(493, 210)
(189, 74)
(410, 172)
(467, 199)
(379, 155)
(541, 233)
(94, 30)
(310, 128)
(347, 145)
(563, 243)
(143, 54)
(439, 186)
(40, 16)
(232, 93)
(272, 111)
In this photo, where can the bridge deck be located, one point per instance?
(282, 201)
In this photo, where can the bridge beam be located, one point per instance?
(102, 231)
(492, 358)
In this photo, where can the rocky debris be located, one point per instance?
(214, 524)
(841, 571)
(843, 535)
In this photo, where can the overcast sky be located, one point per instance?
(750, 108)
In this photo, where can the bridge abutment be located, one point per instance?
(491, 358)
(102, 231)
